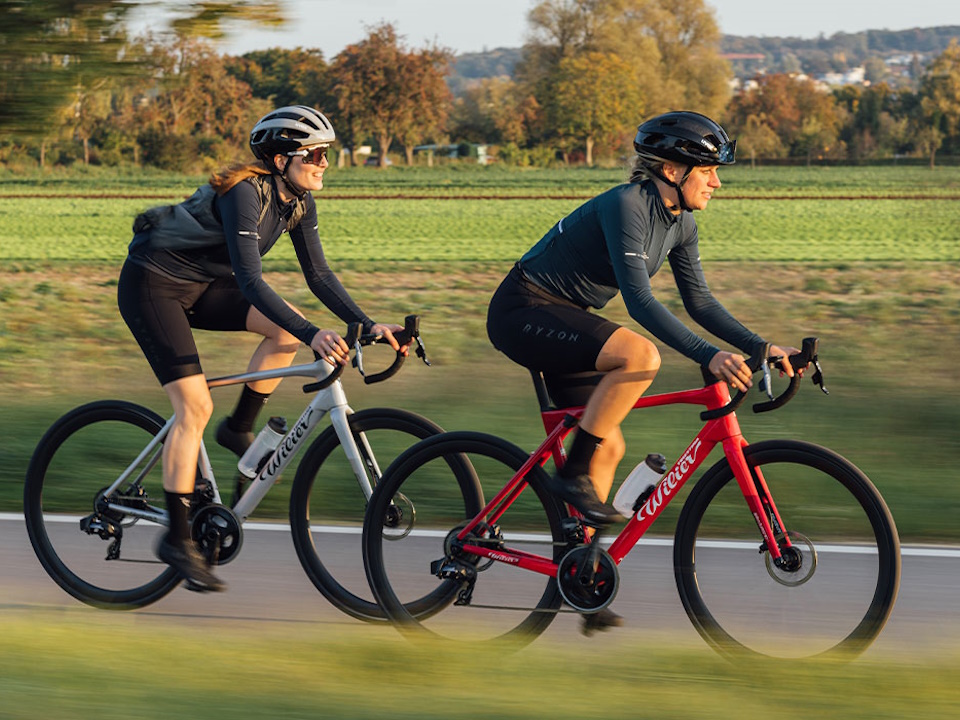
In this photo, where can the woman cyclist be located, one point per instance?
(198, 265)
(616, 242)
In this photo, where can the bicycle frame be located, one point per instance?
(331, 399)
(723, 431)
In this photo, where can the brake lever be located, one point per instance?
(358, 357)
(766, 384)
(818, 376)
(421, 350)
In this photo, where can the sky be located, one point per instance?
(476, 25)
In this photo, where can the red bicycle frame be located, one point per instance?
(724, 431)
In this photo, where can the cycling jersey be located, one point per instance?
(615, 243)
(246, 238)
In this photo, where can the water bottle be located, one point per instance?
(262, 447)
(643, 476)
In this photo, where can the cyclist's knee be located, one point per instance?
(628, 351)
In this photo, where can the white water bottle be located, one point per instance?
(262, 446)
(643, 476)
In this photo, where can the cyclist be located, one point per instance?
(198, 265)
(616, 242)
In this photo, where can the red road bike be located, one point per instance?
(782, 548)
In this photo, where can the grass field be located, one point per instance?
(48, 669)
(877, 280)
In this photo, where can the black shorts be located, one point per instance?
(546, 333)
(160, 313)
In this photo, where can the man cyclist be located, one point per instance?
(616, 242)
(198, 265)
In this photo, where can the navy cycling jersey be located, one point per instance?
(615, 243)
(246, 241)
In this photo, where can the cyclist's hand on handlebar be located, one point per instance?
(731, 369)
(331, 347)
(784, 353)
(387, 332)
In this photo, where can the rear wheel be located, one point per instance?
(427, 495)
(834, 587)
(103, 557)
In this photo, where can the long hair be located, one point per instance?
(227, 177)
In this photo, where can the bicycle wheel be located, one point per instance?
(429, 492)
(840, 581)
(112, 564)
(327, 503)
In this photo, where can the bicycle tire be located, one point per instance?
(443, 478)
(324, 476)
(835, 518)
(66, 472)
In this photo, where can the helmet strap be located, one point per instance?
(297, 191)
(678, 185)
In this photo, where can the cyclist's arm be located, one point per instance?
(626, 231)
(240, 212)
(320, 278)
(700, 303)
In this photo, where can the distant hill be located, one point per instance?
(837, 53)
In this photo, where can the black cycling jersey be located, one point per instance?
(615, 243)
(246, 240)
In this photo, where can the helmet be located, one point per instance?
(685, 137)
(288, 129)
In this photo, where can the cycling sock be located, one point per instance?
(178, 509)
(581, 453)
(248, 407)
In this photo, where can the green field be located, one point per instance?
(877, 280)
(58, 667)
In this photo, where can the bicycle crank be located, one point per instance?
(217, 533)
(588, 578)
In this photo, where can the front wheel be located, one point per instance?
(327, 503)
(416, 569)
(835, 585)
(103, 557)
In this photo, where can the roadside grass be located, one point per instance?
(68, 666)
(884, 329)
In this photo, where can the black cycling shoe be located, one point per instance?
(235, 442)
(186, 560)
(579, 492)
(600, 621)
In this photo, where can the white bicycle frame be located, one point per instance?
(331, 399)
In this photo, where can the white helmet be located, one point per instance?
(288, 129)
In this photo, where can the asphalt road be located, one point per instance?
(267, 586)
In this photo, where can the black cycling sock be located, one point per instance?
(178, 509)
(581, 453)
(248, 407)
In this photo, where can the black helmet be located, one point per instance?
(288, 129)
(684, 137)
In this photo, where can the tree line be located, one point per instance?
(75, 88)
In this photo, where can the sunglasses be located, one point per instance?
(314, 156)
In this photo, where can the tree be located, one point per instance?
(495, 110)
(805, 119)
(597, 99)
(49, 48)
(671, 46)
(285, 77)
(384, 90)
(46, 48)
(940, 100)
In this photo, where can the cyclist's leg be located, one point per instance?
(223, 307)
(155, 309)
(629, 362)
